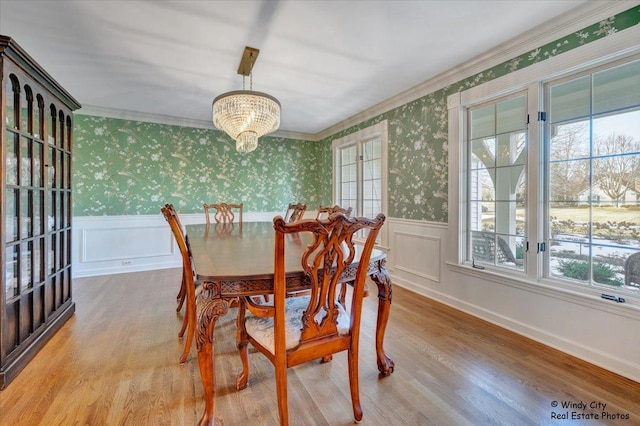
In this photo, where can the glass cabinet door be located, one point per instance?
(35, 207)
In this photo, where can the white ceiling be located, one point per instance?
(324, 60)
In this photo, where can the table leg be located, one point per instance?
(382, 279)
(209, 309)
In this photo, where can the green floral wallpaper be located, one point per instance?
(123, 167)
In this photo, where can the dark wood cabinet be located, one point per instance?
(35, 208)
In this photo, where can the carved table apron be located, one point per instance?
(235, 261)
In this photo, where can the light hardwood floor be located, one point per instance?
(116, 362)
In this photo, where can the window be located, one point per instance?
(496, 146)
(593, 183)
(545, 175)
(360, 172)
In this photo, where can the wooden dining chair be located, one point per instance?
(182, 293)
(295, 212)
(295, 330)
(188, 285)
(224, 212)
(324, 212)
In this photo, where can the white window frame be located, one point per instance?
(609, 49)
(357, 138)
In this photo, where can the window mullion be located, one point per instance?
(535, 182)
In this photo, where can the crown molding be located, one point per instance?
(98, 111)
(308, 137)
(124, 114)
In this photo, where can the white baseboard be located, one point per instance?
(589, 353)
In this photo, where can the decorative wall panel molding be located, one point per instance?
(103, 244)
(417, 255)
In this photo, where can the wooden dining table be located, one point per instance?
(236, 260)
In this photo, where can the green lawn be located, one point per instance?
(600, 214)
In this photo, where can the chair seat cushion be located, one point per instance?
(262, 330)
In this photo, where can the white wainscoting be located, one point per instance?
(105, 245)
(591, 329)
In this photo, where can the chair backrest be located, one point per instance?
(295, 212)
(324, 261)
(224, 212)
(183, 244)
(632, 270)
(324, 212)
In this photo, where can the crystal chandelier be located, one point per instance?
(245, 115)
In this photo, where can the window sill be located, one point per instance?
(590, 298)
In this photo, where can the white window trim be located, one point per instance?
(608, 49)
(380, 129)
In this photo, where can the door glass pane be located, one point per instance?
(37, 117)
(69, 208)
(510, 148)
(60, 211)
(24, 110)
(59, 171)
(69, 127)
(507, 181)
(67, 170)
(483, 122)
(51, 128)
(11, 275)
(25, 266)
(11, 171)
(348, 155)
(52, 255)
(483, 152)
(38, 203)
(51, 175)
(63, 175)
(25, 216)
(481, 185)
(25, 161)
(38, 258)
(37, 164)
(51, 217)
(511, 115)
(12, 96)
(61, 133)
(11, 214)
